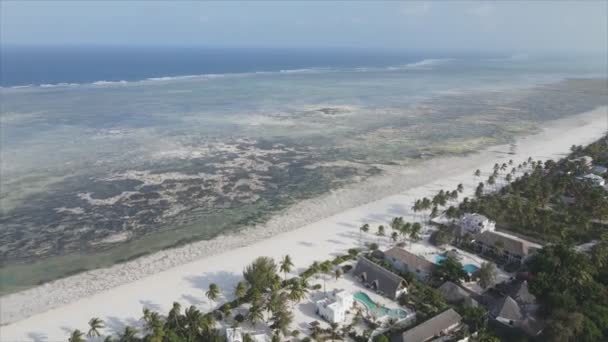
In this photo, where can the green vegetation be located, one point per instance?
(449, 270)
(573, 290)
(549, 203)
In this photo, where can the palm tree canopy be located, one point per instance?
(213, 291)
(94, 325)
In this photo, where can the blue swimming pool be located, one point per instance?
(469, 268)
(439, 259)
(379, 311)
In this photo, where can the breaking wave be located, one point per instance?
(425, 64)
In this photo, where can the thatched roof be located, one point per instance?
(432, 327)
(384, 280)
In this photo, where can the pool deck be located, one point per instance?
(429, 251)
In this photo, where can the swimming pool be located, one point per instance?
(469, 268)
(379, 311)
(439, 259)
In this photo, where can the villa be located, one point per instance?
(405, 261)
(456, 295)
(380, 279)
(511, 248)
(473, 224)
(599, 170)
(586, 161)
(234, 335)
(334, 306)
(440, 325)
(593, 179)
(517, 308)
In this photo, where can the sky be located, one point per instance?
(509, 25)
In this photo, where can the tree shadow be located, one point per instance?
(192, 300)
(37, 337)
(150, 305)
(306, 243)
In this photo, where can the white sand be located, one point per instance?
(117, 294)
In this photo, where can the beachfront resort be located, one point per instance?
(466, 270)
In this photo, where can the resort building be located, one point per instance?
(517, 308)
(473, 224)
(334, 306)
(593, 179)
(599, 170)
(234, 335)
(405, 261)
(586, 161)
(511, 248)
(456, 295)
(441, 325)
(380, 279)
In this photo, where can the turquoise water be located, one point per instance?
(469, 268)
(439, 259)
(379, 311)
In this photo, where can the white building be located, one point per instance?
(260, 337)
(234, 335)
(474, 224)
(594, 179)
(333, 308)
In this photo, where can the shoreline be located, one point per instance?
(327, 225)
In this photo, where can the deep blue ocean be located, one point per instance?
(29, 65)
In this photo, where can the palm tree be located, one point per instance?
(415, 232)
(192, 317)
(255, 314)
(298, 290)
(405, 229)
(76, 336)
(240, 290)
(94, 325)
(128, 335)
(286, 265)
(394, 236)
(174, 317)
(325, 267)
(486, 274)
(363, 229)
(380, 232)
(213, 292)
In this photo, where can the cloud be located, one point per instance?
(416, 9)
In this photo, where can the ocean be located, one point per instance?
(109, 153)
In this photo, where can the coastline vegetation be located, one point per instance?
(543, 200)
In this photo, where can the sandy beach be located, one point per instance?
(311, 230)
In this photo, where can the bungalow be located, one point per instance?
(599, 170)
(507, 246)
(474, 224)
(333, 308)
(380, 279)
(405, 261)
(507, 311)
(440, 325)
(456, 295)
(234, 335)
(593, 179)
(517, 308)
